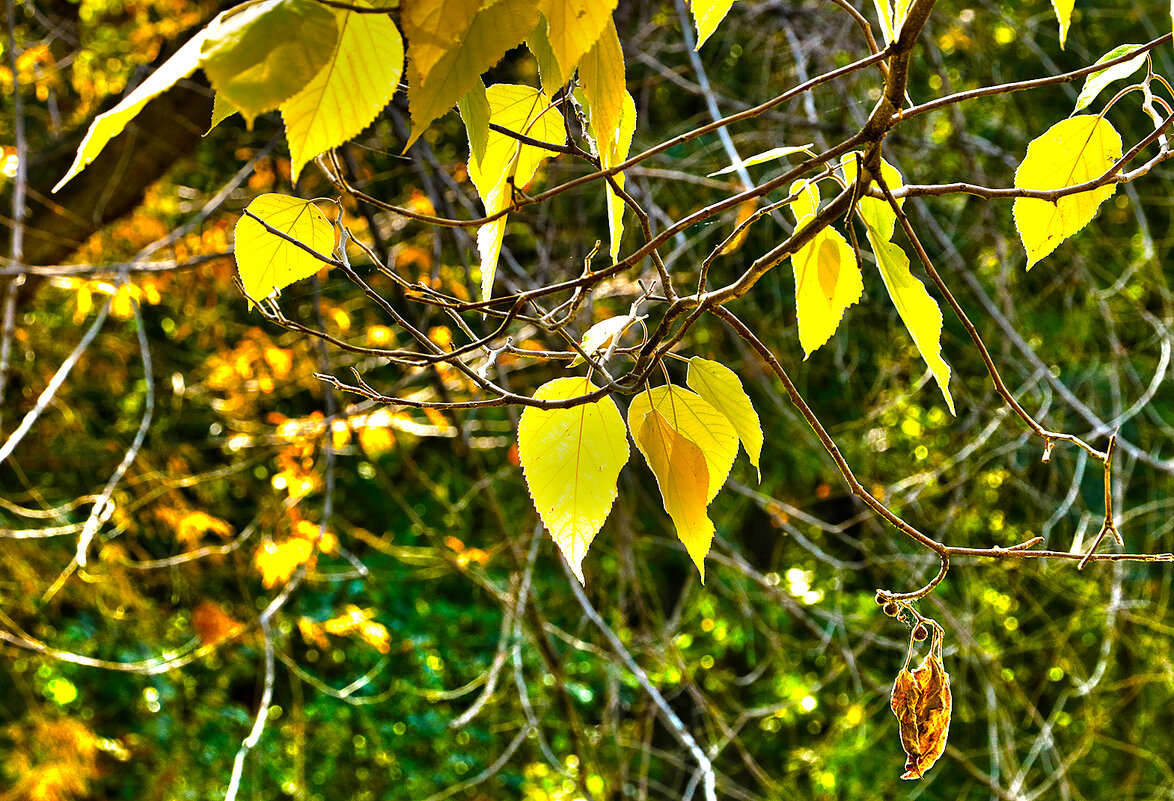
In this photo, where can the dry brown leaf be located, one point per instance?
(922, 703)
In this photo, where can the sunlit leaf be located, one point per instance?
(1073, 151)
(600, 336)
(354, 85)
(720, 386)
(694, 418)
(571, 459)
(1097, 81)
(884, 12)
(434, 27)
(268, 52)
(268, 263)
(1064, 15)
(707, 15)
(612, 113)
(495, 29)
(761, 158)
(876, 212)
(507, 161)
(221, 110)
(827, 276)
(548, 70)
(110, 124)
(573, 26)
(682, 475)
(918, 310)
(474, 108)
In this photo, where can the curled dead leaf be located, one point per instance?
(922, 703)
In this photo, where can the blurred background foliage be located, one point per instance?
(436, 648)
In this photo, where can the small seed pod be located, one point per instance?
(890, 609)
(920, 632)
(880, 599)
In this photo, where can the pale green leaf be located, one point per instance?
(694, 418)
(601, 335)
(526, 111)
(918, 310)
(474, 108)
(358, 80)
(266, 262)
(720, 386)
(1071, 152)
(548, 72)
(1064, 15)
(708, 14)
(682, 475)
(495, 29)
(1097, 81)
(268, 52)
(221, 110)
(571, 459)
(573, 26)
(765, 156)
(433, 28)
(612, 113)
(110, 124)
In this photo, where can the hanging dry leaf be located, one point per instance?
(922, 703)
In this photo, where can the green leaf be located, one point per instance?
(571, 459)
(110, 124)
(474, 108)
(525, 111)
(268, 263)
(694, 418)
(358, 80)
(707, 15)
(721, 387)
(573, 26)
(495, 29)
(612, 113)
(1097, 81)
(268, 52)
(1071, 152)
(682, 475)
(827, 276)
(765, 156)
(1064, 15)
(221, 110)
(918, 310)
(434, 27)
(548, 72)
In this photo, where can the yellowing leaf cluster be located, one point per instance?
(572, 457)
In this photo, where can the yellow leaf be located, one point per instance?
(571, 459)
(509, 162)
(495, 29)
(221, 110)
(613, 118)
(573, 26)
(720, 386)
(433, 27)
(474, 108)
(806, 203)
(884, 12)
(876, 212)
(918, 310)
(268, 263)
(599, 336)
(268, 52)
(761, 158)
(708, 14)
(358, 80)
(1064, 15)
(278, 561)
(110, 124)
(695, 419)
(1071, 152)
(682, 475)
(827, 277)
